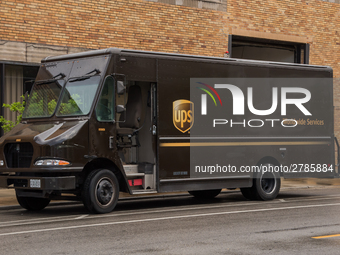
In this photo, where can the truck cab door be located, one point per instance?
(102, 136)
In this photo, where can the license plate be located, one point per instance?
(35, 183)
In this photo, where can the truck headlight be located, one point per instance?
(51, 162)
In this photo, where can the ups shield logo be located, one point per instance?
(183, 115)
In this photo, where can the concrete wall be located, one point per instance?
(31, 52)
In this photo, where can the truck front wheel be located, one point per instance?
(33, 203)
(101, 191)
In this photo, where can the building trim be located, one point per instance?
(271, 36)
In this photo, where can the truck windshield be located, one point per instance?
(43, 99)
(78, 96)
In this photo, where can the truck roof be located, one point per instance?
(176, 55)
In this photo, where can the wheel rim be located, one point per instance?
(104, 192)
(268, 182)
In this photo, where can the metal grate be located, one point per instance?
(18, 155)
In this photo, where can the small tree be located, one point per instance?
(17, 107)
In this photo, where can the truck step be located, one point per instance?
(147, 191)
(134, 174)
(131, 169)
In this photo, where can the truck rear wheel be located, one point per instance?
(101, 191)
(205, 194)
(266, 186)
(33, 203)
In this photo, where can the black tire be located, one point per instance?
(33, 203)
(205, 194)
(266, 186)
(101, 191)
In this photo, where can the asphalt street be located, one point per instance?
(302, 220)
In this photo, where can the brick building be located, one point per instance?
(299, 31)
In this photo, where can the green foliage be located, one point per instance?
(36, 108)
(17, 107)
(72, 106)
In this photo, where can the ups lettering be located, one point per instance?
(183, 116)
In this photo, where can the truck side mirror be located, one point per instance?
(120, 108)
(120, 88)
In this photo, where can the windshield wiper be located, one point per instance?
(94, 70)
(54, 79)
(86, 76)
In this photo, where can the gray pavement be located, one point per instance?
(304, 219)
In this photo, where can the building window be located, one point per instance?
(15, 80)
(269, 50)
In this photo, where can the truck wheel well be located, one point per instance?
(269, 160)
(106, 164)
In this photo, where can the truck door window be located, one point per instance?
(106, 103)
(78, 96)
(43, 99)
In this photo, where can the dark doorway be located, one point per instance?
(269, 50)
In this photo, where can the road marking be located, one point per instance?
(81, 217)
(123, 213)
(328, 236)
(164, 218)
(282, 200)
(71, 218)
(38, 220)
(170, 209)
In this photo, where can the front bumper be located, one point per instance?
(38, 183)
(42, 169)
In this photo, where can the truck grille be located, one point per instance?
(18, 155)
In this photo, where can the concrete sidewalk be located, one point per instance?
(7, 196)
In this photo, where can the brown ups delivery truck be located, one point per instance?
(107, 121)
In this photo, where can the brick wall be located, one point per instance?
(148, 25)
(316, 20)
(156, 26)
(126, 24)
